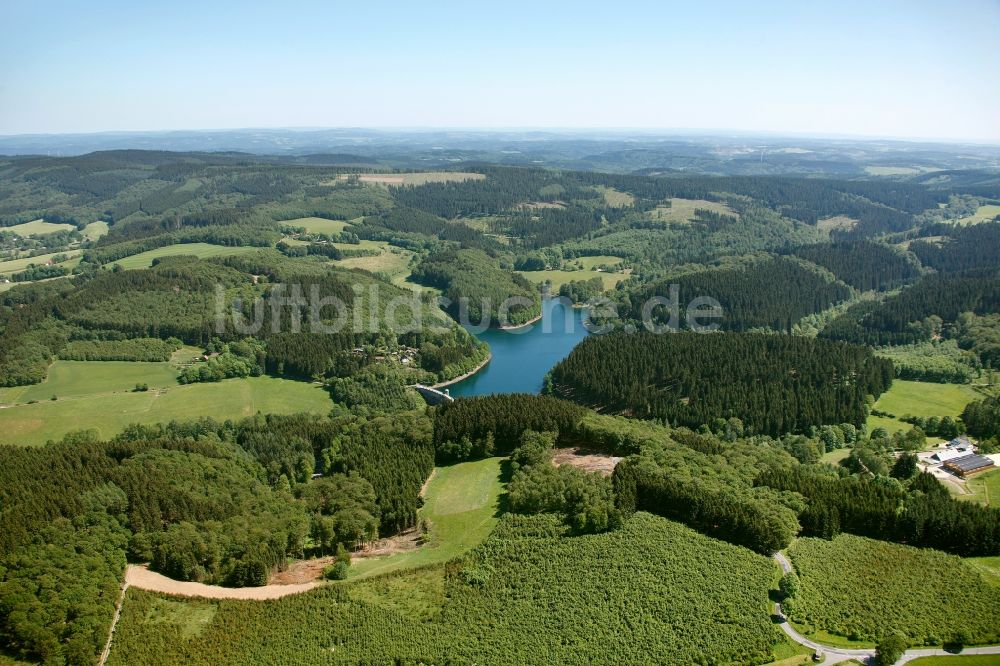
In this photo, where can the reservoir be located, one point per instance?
(521, 358)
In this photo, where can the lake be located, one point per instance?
(522, 358)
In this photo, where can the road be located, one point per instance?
(835, 655)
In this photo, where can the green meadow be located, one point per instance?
(982, 214)
(100, 395)
(585, 270)
(984, 489)
(461, 509)
(15, 265)
(907, 398)
(200, 250)
(38, 228)
(95, 230)
(318, 225)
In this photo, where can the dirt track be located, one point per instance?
(144, 579)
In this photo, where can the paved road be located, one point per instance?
(835, 655)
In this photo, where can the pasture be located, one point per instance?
(418, 178)
(984, 489)
(68, 379)
(392, 262)
(906, 398)
(95, 230)
(461, 508)
(101, 398)
(15, 265)
(982, 214)
(559, 278)
(876, 170)
(683, 210)
(200, 250)
(585, 270)
(616, 198)
(318, 225)
(38, 228)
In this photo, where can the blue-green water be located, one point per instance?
(521, 359)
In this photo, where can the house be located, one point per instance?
(966, 466)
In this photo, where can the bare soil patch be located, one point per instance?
(301, 572)
(144, 579)
(585, 459)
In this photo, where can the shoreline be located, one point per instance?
(508, 327)
(449, 382)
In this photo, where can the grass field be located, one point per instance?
(984, 488)
(392, 261)
(419, 178)
(461, 507)
(95, 230)
(682, 210)
(988, 567)
(73, 379)
(200, 250)
(586, 272)
(38, 228)
(982, 214)
(559, 278)
(834, 457)
(15, 265)
(907, 398)
(98, 395)
(615, 198)
(891, 171)
(318, 225)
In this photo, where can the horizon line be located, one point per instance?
(488, 129)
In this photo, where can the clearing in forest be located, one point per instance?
(419, 178)
(318, 225)
(461, 508)
(683, 210)
(906, 398)
(110, 407)
(200, 250)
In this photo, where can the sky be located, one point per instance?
(903, 69)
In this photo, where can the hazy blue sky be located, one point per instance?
(903, 69)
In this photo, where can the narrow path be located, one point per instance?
(114, 623)
(835, 655)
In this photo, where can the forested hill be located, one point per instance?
(774, 293)
(773, 384)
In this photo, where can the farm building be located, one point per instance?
(968, 465)
(956, 448)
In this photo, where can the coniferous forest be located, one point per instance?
(772, 384)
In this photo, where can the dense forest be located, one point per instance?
(773, 384)
(917, 314)
(775, 293)
(862, 264)
(477, 290)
